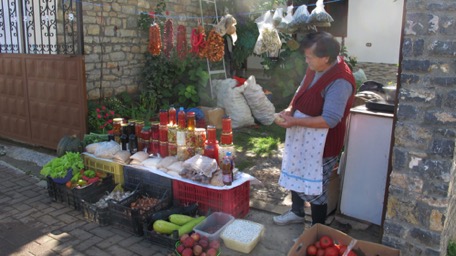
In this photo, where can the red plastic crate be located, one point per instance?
(233, 201)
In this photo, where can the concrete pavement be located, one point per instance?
(32, 224)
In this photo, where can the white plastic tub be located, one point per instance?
(242, 235)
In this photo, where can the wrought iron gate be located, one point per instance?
(41, 27)
(42, 76)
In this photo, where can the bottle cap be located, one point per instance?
(228, 153)
(181, 108)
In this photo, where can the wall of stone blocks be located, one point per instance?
(421, 204)
(114, 46)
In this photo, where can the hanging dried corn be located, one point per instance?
(198, 41)
(168, 38)
(181, 41)
(154, 40)
(215, 46)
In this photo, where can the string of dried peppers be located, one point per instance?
(198, 41)
(181, 41)
(155, 42)
(215, 46)
(168, 38)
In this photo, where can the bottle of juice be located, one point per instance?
(227, 172)
(172, 116)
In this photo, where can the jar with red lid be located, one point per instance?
(226, 138)
(163, 149)
(163, 116)
(154, 130)
(211, 150)
(226, 124)
(172, 116)
(144, 138)
(163, 133)
(211, 133)
(139, 125)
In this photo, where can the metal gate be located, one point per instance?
(42, 77)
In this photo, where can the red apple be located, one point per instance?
(189, 242)
(326, 241)
(183, 237)
(214, 244)
(211, 252)
(180, 248)
(321, 252)
(187, 252)
(317, 244)
(197, 249)
(312, 250)
(204, 243)
(195, 236)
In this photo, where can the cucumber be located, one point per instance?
(179, 219)
(188, 227)
(165, 227)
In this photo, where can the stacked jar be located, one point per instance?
(154, 145)
(186, 135)
(144, 139)
(211, 147)
(226, 138)
(163, 133)
(117, 128)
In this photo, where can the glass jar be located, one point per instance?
(172, 134)
(154, 129)
(154, 147)
(226, 124)
(190, 138)
(163, 117)
(191, 122)
(144, 138)
(211, 133)
(181, 137)
(226, 138)
(117, 126)
(163, 133)
(172, 149)
(163, 149)
(184, 152)
(139, 125)
(200, 134)
(172, 116)
(211, 150)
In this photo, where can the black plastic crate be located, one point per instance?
(126, 218)
(164, 240)
(73, 197)
(147, 180)
(96, 214)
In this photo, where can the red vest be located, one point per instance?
(310, 102)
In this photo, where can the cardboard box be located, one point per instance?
(311, 235)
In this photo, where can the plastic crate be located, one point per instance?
(233, 201)
(95, 214)
(73, 197)
(213, 225)
(122, 216)
(147, 181)
(96, 164)
(168, 241)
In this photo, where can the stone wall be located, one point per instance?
(114, 46)
(380, 72)
(421, 204)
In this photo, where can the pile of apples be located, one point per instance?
(197, 245)
(325, 246)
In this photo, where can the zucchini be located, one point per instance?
(164, 214)
(188, 227)
(179, 219)
(165, 227)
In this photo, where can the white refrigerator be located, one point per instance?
(365, 164)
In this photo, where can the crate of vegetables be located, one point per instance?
(130, 213)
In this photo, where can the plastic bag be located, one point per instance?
(268, 39)
(201, 165)
(299, 17)
(277, 17)
(107, 149)
(319, 17)
(262, 108)
(284, 27)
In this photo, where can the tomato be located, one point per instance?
(342, 249)
(321, 252)
(312, 250)
(326, 241)
(331, 251)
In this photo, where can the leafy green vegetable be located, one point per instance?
(89, 173)
(57, 167)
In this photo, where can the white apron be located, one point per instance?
(302, 161)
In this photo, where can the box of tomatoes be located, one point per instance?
(324, 240)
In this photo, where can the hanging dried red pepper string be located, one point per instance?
(215, 46)
(198, 41)
(155, 43)
(168, 38)
(181, 41)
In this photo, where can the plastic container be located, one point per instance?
(242, 235)
(213, 225)
(108, 166)
(233, 201)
